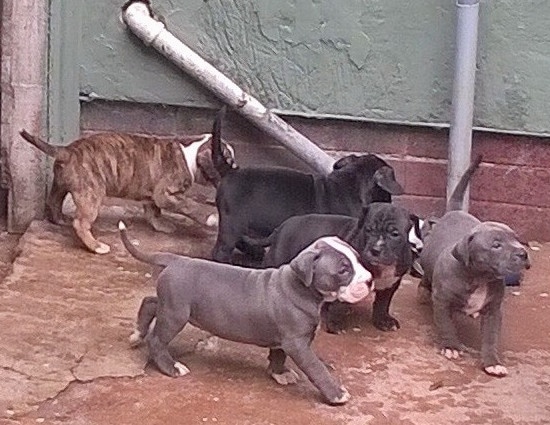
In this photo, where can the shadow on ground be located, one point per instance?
(64, 359)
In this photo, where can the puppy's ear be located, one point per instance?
(385, 179)
(303, 265)
(461, 250)
(344, 162)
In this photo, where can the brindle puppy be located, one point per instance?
(157, 171)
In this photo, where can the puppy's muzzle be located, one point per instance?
(519, 261)
(360, 287)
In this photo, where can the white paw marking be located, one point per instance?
(344, 398)
(103, 248)
(210, 343)
(450, 354)
(181, 368)
(286, 378)
(212, 220)
(496, 370)
(135, 339)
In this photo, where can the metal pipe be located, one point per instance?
(140, 19)
(460, 136)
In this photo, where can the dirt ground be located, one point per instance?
(65, 316)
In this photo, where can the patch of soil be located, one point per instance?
(81, 307)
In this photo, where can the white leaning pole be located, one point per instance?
(138, 17)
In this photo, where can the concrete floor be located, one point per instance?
(66, 314)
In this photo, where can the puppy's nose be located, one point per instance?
(523, 256)
(375, 251)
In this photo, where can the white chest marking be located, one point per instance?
(190, 154)
(386, 279)
(414, 238)
(477, 301)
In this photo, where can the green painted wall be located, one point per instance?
(381, 59)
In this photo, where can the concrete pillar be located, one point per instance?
(23, 82)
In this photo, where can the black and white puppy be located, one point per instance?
(254, 201)
(381, 237)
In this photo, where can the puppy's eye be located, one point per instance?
(395, 234)
(344, 269)
(496, 245)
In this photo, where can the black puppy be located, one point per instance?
(254, 201)
(381, 237)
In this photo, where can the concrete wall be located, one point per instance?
(23, 85)
(389, 60)
(363, 59)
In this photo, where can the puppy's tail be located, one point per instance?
(457, 198)
(162, 259)
(218, 159)
(48, 149)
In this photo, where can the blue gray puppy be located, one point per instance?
(274, 308)
(466, 263)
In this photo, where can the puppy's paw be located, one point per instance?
(135, 339)
(212, 220)
(451, 353)
(496, 370)
(288, 377)
(102, 248)
(335, 328)
(181, 369)
(386, 323)
(341, 399)
(210, 343)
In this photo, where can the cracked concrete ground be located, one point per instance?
(66, 314)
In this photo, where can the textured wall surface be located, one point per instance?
(509, 186)
(385, 59)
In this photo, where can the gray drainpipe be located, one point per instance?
(460, 137)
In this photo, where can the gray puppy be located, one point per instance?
(380, 236)
(274, 308)
(466, 264)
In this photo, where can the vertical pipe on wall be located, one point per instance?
(460, 136)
